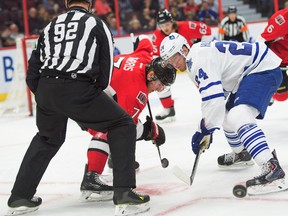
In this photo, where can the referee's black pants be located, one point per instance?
(59, 99)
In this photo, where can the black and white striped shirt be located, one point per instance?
(74, 42)
(237, 30)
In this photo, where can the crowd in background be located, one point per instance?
(136, 16)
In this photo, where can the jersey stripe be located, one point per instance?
(210, 85)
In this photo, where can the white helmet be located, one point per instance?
(172, 44)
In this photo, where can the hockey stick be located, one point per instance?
(179, 173)
(164, 161)
(196, 161)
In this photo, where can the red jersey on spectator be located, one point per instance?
(129, 78)
(276, 32)
(102, 7)
(191, 30)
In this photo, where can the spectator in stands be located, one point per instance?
(153, 6)
(204, 10)
(213, 5)
(266, 7)
(32, 3)
(191, 16)
(5, 37)
(35, 24)
(102, 8)
(286, 4)
(48, 4)
(112, 24)
(145, 20)
(233, 27)
(125, 7)
(135, 26)
(152, 25)
(198, 2)
(137, 5)
(177, 13)
(10, 35)
(12, 5)
(190, 9)
(209, 21)
(43, 14)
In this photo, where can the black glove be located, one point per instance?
(153, 131)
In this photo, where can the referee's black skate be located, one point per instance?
(167, 115)
(233, 160)
(20, 206)
(94, 189)
(272, 178)
(128, 202)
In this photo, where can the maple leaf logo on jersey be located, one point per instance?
(189, 63)
(142, 98)
(279, 20)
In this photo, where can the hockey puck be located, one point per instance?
(164, 163)
(239, 191)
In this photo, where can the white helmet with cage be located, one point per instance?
(173, 44)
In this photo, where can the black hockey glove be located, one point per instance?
(153, 131)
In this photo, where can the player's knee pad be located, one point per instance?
(239, 116)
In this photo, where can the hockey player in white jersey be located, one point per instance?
(248, 74)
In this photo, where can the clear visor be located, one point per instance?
(173, 60)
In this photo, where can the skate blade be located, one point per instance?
(141, 209)
(21, 210)
(90, 196)
(167, 120)
(237, 166)
(273, 187)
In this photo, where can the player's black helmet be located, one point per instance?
(164, 16)
(165, 73)
(232, 9)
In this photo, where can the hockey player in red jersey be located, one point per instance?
(276, 37)
(135, 75)
(193, 32)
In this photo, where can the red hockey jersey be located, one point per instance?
(277, 33)
(129, 78)
(191, 30)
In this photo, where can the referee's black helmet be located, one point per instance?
(67, 2)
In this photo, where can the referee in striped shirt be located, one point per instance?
(233, 27)
(68, 71)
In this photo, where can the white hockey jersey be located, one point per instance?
(219, 66)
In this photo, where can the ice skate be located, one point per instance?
(20, 206)
(167, 115)
(233, 160)
(272, 179)
(128, 202)
(94, 189)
